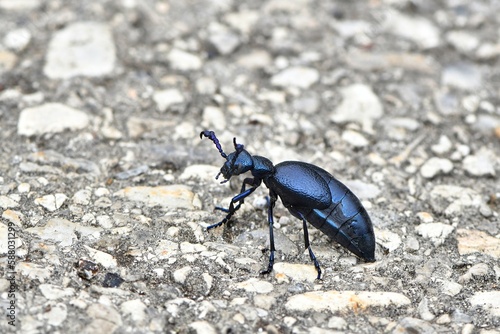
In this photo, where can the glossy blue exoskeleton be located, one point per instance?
(308, 192)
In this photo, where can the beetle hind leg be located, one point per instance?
(308, 246)
(270, 220)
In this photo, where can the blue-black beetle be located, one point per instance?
(308, 192)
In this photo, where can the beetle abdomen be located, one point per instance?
(345, 221)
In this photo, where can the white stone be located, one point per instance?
(200, 172)
(54, 292)
(437, 232)
(18, 39)
(136, 310)
(354, 138)
(62, 231)
(389, 240)
(184, 61)
(443, 146)
(108, 261)
(435, 166)
(180, 275)
(359, 104)
(51, 202)
(295, 271)
(344, 301)
(488, 300)
(164, 99)
(34, 271)
(463, 41)
(50, 118)
(417, 29)
(213, 117)
(82, 197)
(7, 202)
(202, 327)
(480, 164)
(166, 249)
(255, 285)
(173, 196)
(19, 5)
(299, 77)
(56, 314)
(82, 48)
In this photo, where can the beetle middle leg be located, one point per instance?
(236, 199)
(270, 219)
(308, 246)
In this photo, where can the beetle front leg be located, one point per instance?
(236, 199)
(270, 219)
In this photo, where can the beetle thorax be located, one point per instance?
(262, 167)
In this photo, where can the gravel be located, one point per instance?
(106, 189)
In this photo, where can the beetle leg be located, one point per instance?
(308, 246)
(240, 198)
(270, 219)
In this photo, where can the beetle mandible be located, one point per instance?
(309, 192)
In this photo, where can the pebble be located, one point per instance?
(20, 5)
(337, 323)
(105, 319)
(108, 261)
(51, 202)
(18, 39)
(167, 98)
(387, 239)
(53, 292)
(476, 271)
(136, 310)
(417, 29)
(296, 77)
(7, 203)
(50, 118)
(297, 272)
(413, 325)
(480, 164)
(436, 232)
(56, 314)
(487, 300)
(184, 61)
(463, 75)
(82, 197)
(7, 61)
(255, 285)
(453, 200)
(463, 41)
(166, 249)
(443, 145)
(354, 138)
(213, 117)
(373, 61)
(255, 59)
(172, 196)
(425, 217)
(450, 288)
(62, 231)
(359, 104)
(34, 271)
(488, 51)
(225, 41)
(202, 327)
(180, 275)
(344, 301)
(243, 20)
(81, 49)
(436, 166)
(472, 241)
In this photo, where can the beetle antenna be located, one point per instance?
(211, 135)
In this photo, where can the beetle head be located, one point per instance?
(238, 162)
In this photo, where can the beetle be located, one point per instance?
(310, 194)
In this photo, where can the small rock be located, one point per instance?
(173, 196)
(389, 240)
(34, 271)
(478, 270)
(63, 231)
(463, 41)
(166, 249)
(417, 29)
(7, 61)
(436, 166)
(82, 197)
(480, 165)
(51, 202)
(164, 99)
(344, 301)
(472, 241)
(56, 314)
(450, 288)
(488, 51)
(225, 42)
(359, 104)
(7, 202)
(337, 323)
(20, 5)
(112, 280)
(213, 117)
(300, 77)
(453, 200)
(412, 325)
(18, 39)
(180, 275)
(437, 232)
(50, 118)
(443, 146)
(297, 272)
(466, 76)
(255, 285)
(423, 310)
(106, 260)
(82, 48)
(136, 310)
(425, 217)
(202, 327)
(184, 61)
(54, 292)
(354, 138)
(487, 300)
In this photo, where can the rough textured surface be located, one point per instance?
(109, 189)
